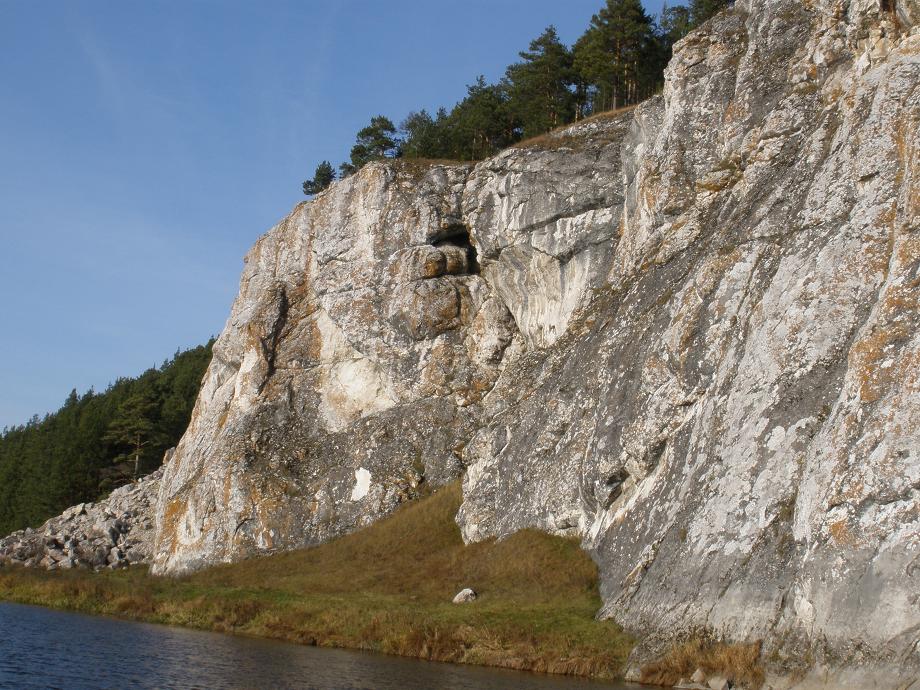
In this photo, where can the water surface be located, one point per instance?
(43, 648)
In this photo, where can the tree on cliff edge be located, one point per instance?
(539, 88)
(323, 176)
(481, 123)
(375, 142)
(424, 136)
(617, 56)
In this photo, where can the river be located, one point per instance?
(43, 648)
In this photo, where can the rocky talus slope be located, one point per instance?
(112, 533)
(686, 333)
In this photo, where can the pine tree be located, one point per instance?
(675, 23)
(322, 178)
(618, 55)
(375, 142)
(702, 10)
(424, 136)
(539, 89)
(75, 454)
(481, 123)
(133, 430)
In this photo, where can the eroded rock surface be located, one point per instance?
(370, 326)
(351, 369)
(545, 217)
(733, 426)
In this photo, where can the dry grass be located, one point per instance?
(417, 168)
(386, 588)
(552, 140)
(409, 161)
(739, 662)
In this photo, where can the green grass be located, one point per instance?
(386, 588)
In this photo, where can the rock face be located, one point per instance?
(112, 533)
(370, 327)
(686, 333)
(733, 423)
(351, 369)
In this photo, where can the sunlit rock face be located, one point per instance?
(370, 326)
(545, 217)
(732, 425)
(351, 368)
(686, 333)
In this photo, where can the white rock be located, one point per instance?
(719, 683)
(465, 596)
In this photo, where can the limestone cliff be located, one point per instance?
(733, 423)
(351, 369)
(687, 333)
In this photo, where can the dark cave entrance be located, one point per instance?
(459, 236)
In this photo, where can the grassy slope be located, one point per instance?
(386, 588)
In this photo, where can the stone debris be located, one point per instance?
(110, 534)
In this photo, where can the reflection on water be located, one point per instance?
(42, 648)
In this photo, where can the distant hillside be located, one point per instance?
(96, 441)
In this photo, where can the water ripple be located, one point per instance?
(42, 648)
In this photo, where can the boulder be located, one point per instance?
(465, 596)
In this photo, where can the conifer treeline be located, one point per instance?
(618, 61)
(96, 441)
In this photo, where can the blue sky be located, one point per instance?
(144, 146)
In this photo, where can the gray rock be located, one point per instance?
(137, 555)
(684, 684)
(100, 557)
(699, 676)
(732, 424)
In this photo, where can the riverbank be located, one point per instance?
(386, 588)
(48, 648)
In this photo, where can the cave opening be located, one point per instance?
(614, 486)
(459, 236)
